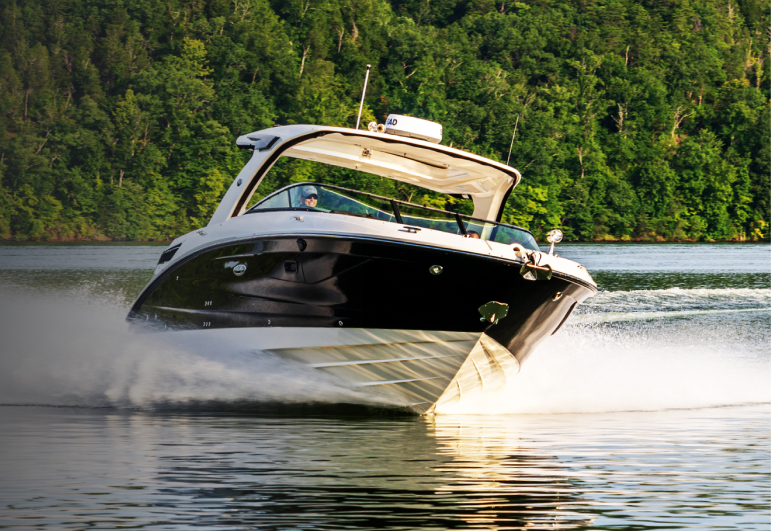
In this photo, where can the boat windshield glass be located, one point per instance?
(339, 200)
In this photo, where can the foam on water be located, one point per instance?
(67, 350)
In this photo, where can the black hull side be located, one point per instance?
(355, 283)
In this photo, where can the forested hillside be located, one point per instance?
(636, 119)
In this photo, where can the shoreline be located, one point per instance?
(108, 242)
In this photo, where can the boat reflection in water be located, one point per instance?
(419, 305)
(287, 473)
(500, 479)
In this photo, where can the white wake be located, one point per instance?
(646, 350)
(626, 351)
(72, 351)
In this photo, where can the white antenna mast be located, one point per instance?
(364, 91)
(513, 139)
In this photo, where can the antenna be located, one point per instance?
(364, 91)
(513, 139)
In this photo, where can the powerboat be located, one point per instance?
(412, 305)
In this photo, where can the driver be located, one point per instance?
(308, 196)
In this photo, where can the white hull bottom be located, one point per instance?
(420, 370)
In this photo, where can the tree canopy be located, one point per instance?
(636, 119)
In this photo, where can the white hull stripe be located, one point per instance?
(382, 361)
(381, 383)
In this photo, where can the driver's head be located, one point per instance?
(309, 196)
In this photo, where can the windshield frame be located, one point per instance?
(395, 203)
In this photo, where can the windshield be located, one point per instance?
(338, 200)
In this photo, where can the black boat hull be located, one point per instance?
(313, 281)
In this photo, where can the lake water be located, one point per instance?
(650, 409)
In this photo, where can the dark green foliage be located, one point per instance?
(636, 119)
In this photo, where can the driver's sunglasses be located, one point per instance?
(313, 196)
